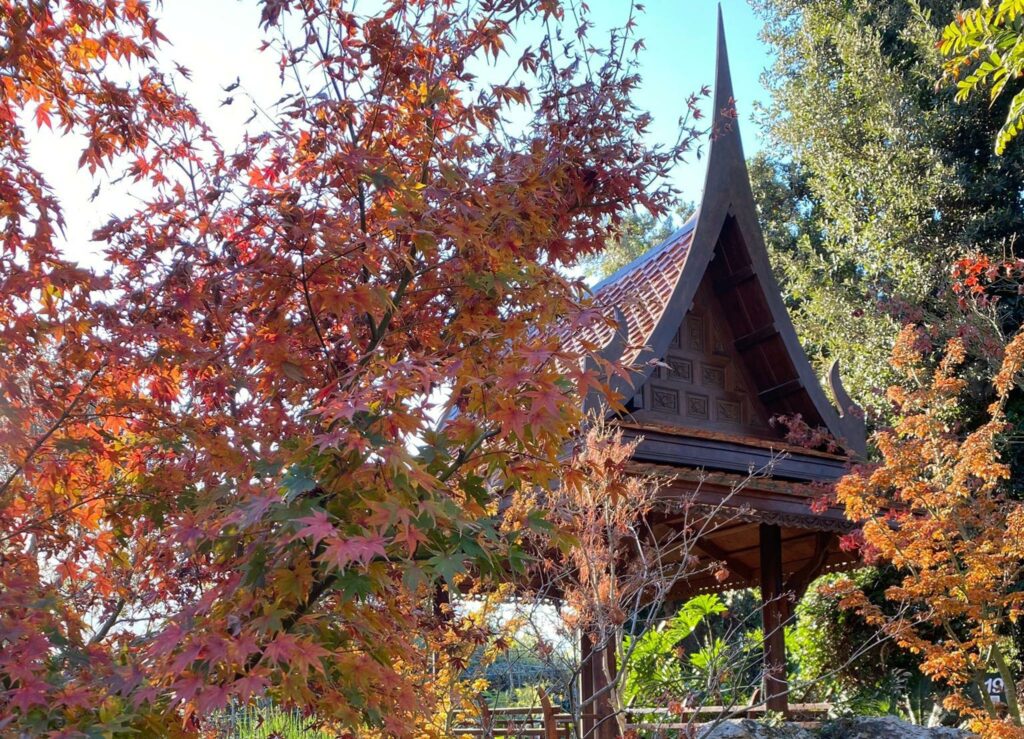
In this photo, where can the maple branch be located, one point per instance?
(66, 414)
(108, 624)
(312, 313)
(324, 582)
(464, 454)
(54, 516)
(20, 467)
(360, 185)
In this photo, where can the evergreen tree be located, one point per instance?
(891, 179)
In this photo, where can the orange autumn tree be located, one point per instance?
(940, 504)
(222, 475)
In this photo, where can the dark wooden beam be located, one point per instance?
(774, 613)
(675, 449)
(609, 728)
(602, 661)
(790, 541)
(734, 280)
(780, 391)
(586, 684)
(756, 337)
(716, 552)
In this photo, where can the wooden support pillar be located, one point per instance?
(604, 716)
(597, 671)
(586, 685)
(548, 712)
(609, 729)
(774, 614)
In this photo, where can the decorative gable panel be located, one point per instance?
(702, 382)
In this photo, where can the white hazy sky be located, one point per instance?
(218, 40)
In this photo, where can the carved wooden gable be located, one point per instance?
(702, 382)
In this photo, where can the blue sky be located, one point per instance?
(219, 39)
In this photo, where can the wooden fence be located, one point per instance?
(546, 722)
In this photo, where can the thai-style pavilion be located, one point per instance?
(701, 317)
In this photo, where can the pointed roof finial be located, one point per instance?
(723, 80)
(725, 154)
(725, 117)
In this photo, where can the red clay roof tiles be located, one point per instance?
(641, 291)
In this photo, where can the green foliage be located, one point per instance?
(988, 44)
(664, 665)
(269, 722)
(823, 287)
(841, 658)
(875, 181)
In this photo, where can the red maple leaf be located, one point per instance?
(342, 552)
(317, 527)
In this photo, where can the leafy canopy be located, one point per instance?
(882, 180)
(221, 472)
(985, 48)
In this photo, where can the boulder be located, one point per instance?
(881, 727)
(749, 729)
(885, 727)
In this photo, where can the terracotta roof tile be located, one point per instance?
(641, 290)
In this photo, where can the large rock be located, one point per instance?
(749, 729)
(885, 727)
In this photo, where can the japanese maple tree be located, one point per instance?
(625, 544)
(222, 469)
(942, 504)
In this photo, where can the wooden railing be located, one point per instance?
(546, 722)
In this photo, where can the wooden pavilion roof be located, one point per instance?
(641, 292)
(706, 296)
(701, 321)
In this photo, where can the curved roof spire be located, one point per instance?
(723, 123)
(723, 248)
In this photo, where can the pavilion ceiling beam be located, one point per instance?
(790, 541)
(711, 549)
(756, 337)
(734, 280)
(780, 391)
(798, 581)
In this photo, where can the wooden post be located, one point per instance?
(774, 614)
(486, 717)
(548, 712)
(609, 728)
(596, 666)
(601, 705)
(586, 685)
